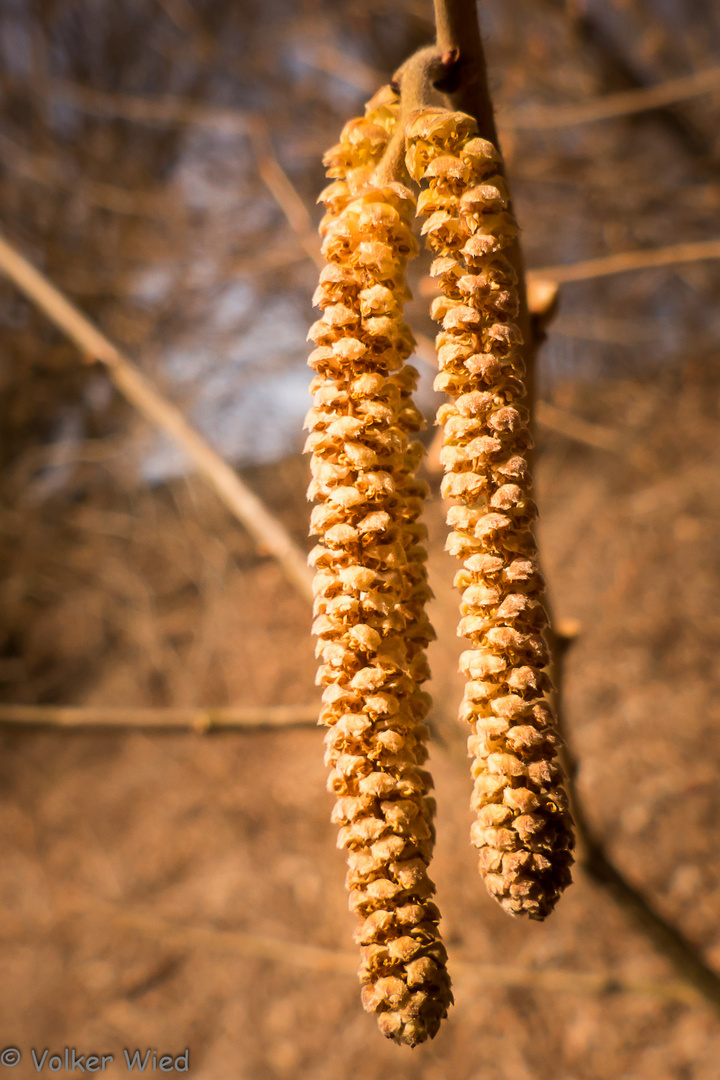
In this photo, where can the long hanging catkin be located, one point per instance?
(370, 583)
(523, 829)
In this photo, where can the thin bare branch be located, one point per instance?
(283, 190)
(270, 535)
(171, 109)
(186, 19)
(614, 105)
(574, 427)
(626, 261)
(163, 109)
(593, 859)
(347, 68)
(199, 719)
(45, 170)
(458, 32)
(466, 971)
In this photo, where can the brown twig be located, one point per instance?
(199, 719)
(574, 427)
(614, 105)
(625, 261)
(458, 33)
(317, 958)
(165, 109)
(595, 862)
(236, 496)
(283, 190)
(45, 170)
(347, 68)
(458, 36)
(470, 96)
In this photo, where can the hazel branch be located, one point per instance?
(320, 959)
(236, 496)
(594, 861)
(467, 90)
(625, 261)
(458, 35)
(415, 80)
(198, 719)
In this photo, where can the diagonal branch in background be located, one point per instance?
(269, 534)
(607, 42)
(347, 68)
(574, 427)
(610, 106)
(283, 190)
(601, 870)
(45, 170)
(173, 109)
(198, 719)
(625, 261)
(165, 109)
(469, 973)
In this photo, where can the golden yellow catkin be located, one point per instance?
(523, 829)
(370, 583)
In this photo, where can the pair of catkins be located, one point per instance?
(371, 585)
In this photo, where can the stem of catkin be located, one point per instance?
(370, 583)
(523, 829)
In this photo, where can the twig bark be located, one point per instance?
(600, 868)
(162, 109)
(467, 972)
(172, 109)
(615, 105)
(458, 31)
(283, 190)
(574, 427)
(625, 261)
(46, 171)
(199, 719)
(458, 34)
(270, 535)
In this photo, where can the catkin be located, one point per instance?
(523, 829)
(370, 583)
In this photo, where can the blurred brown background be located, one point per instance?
(148, 877)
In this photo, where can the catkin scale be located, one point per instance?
(523, 829)
(370, 582)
